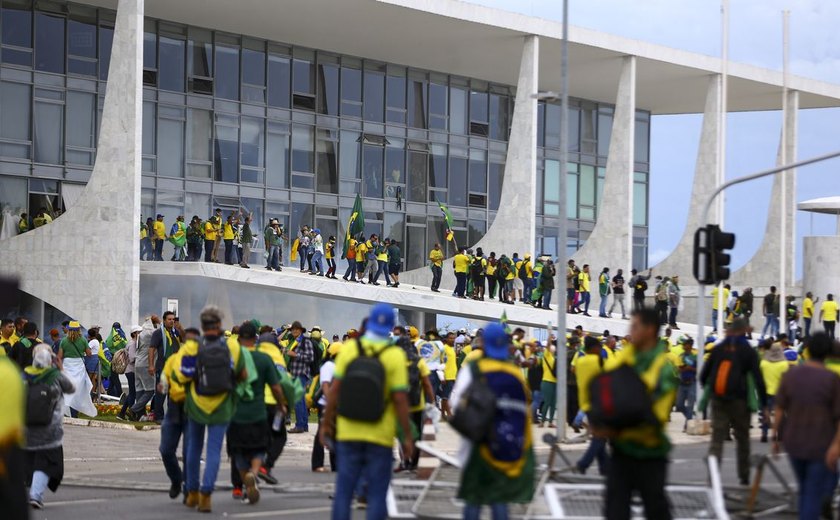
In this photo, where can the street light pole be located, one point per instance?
(560, 283)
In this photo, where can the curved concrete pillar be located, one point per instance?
(611, 242)
(514, 228)
(680, 260)
(817, 253)
(98, 235)
(763, 268)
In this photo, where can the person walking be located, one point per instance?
(731, 363)
(721, 304)
(490, 275)
(500, 472)
(272, 238)
(773, 367)
(228, 235)
(547, 283)
(638, 284)
(674, 299)
(211, 237)
(159, 237)
(371, 263)
(436, 259)
(44, 418)
(604, 291)
(382, 262)
(174, 422)
(350, 255)
(325, 380)
(618, 294)
(128, 400)
(147, 252)
(586, 368)
(828, 315)
(362, 421)
(178, 237)
(144, 370)
(329, 255)
(164, 342)
(300, 354)
(808, 312)
(209, 369)
(809, 401)
(583, 278)
(461, 265)
(246, 238)
(317, 244)
(770, 309)
(571, 282)
(195, 236)
(687, 390)
(394, 262)
(660, 296)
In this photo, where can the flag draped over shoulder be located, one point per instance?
(447, 218)
(355, 225)
(504, 322)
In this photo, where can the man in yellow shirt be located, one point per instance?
(436, 259)
(450, 373)
(586, 368)
(808, 312)
(7, 335)
(159, 238)
(828, 315)
(216, 223)
(210, 235)
(461, 264)
(716, 305)
(583, 277)
(364, 442)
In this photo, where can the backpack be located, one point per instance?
(363, 387)
(41, 400)
(728, 376)
(662, 292)
(317, 357)
(523, 271)
(120, 361)
(619, 399)
(477, 268)
(476, 410)
(415, 386)
(504, 270)
(641, 285)
(213, 368)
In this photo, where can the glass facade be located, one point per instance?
(232, 121)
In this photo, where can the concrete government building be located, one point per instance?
(112, 110)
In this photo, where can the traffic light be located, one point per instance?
(711, 260)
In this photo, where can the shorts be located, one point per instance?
(91, 364)
(446, 389)
(518, 284)
(394, 268)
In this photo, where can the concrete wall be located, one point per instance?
(820, 273)
(86, 263)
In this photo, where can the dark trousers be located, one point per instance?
(829, 328)
(350, 273)
(816, 485)
(638, 301)
(194, 252)
(597, 450)
(230, 256)
(417, 419)
(662, 309)
(132, 393)
(208, 250)
(732, 413)
(171, 431)
(491, 286)
(627, 474)
(461, 284)
(437, 272)
(276, 440)
(672, 318)
(318, 448)
(158, 399)
(572, 405)
(159, 250)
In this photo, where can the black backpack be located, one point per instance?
(619, 399)
(213, 368)
(363, 388)
(523, 271)
(415, 386)
(476, 268)
(728, 379)
(41, 400)
(476, 410)
(317, 357)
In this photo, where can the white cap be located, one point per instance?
(136, 328)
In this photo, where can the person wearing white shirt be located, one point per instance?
(325, 379)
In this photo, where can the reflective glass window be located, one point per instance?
(541, 124)
(394, 225)
(458, 110)
(478, 107)
(14, 193)
(639, 204)
(476, 229)
(552, 126)
(303, 149)
(253, 73)
(605, 120)
(279, 77)
(17, 30)
(252, 149)
(437, 106)
(395, 88)
(588, 127)
(302, 214)
(227, 72)
(171, 75)
(81, 127)
(351, 92)
(417, 171)
(170, 143)
(478, 171)
(226, 148)
(574, 129)
(415, 247)
(200, 135)
(496, 176)
(499, 117)
(437, 167)
(374, 96)
(642, 150)
(395, 163)
(350, 149)
(277, 155)
(304, 76)
(106, 39)
(15, 123)
(457, 180)
(328, 88)
(81, 45)
(372, 177)
(49, 130)
(150, 45)
(201, 53)
(149, 127)
(327, 162)
(551, 188)
(587, 192)
(49, 42)
(571, 195)
(417, 100)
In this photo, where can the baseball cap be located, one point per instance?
(495, 341)
(381, 319)
(136, 328)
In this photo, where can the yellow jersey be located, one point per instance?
(807, 308)
(436, 257)
(772, 372)
(228, 234)
(829, 310)
(586, 369)
(549, 367)
(160, 230)
(462, 263)
(584, 281)
(209, 231)
(450, 367)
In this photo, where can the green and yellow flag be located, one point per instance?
(355, 226)
(447, 218)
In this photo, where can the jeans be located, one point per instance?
(302, 256)
(536, 403)
(318, 448)
(317, 262)
(350, 273)
(131, 397)
(497, 511)
(359, 460)
(662, 309)
(647, 476)
(771, 322)
(194, 251)
(437, 272)
(816, 484)
(585, 296)
(618, 299)
(195, 442)
(230, 252)
(158, 399)
(146, 252)
(765, 421)
(807, 327)
(597, 450)
(274, 257)
(829, 328)
(301, 410)
(672, 318)
(686, 397)
(159, 250)
(39, 485)
(714, 319)
(546, 299)
(208, 250)
(382, 267)
(529, 288)
(171, 431)
(461, 284)
(602, 308)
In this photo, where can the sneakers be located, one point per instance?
(297, 430)
(174, 490)
(237, 493)
(266, 476)
(251, 489)
(36, 504)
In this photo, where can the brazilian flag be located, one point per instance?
(355, 226)
(447, 218)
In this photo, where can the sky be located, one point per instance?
(752, 138)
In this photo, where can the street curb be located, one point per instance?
(122, 485)
(109, 425)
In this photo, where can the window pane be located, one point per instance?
(171, 76)
(328, 89)
(252, 142)
(394, 228)
(541, 124)
(415, 247)
(396, 99)
(327, 175)
(49, 126)
(303, 149)
(437, 168)
(639, 204)
(587, 185)
(574, 129)
(13, 191)
(604, 132)
(552, 181)
(417, 104)
(499, 117)
(642, 151)
(149, 50)
(304, 79)
(17, 26)
(227, 72)
(552, 126)
(49, 42)
(587, 129)
(571, 195)
(351, 92)
(302, 214)
(149, 127)
(372, 171)
(476, 229)
(417, 168)
(437, 106)
(81, 128)
(458, 181)
(457, 110)
(349, 157)
(201, 52)
(253, 67)
(106, 39)
(226, 153)
(200, 135)
(497, 171)
(279, 72)
(196, 204)
(170, 148)
(374, 96)
(81, 39)
(478, 171)
(395, 164)
(277, 159)
(15, 100)
(478, 107)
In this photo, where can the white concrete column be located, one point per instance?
(680, 260)
(611, 242)
(86, 263)
(763, 268)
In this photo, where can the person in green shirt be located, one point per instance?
(394, 262)
(604, 291)
(23, 224)
(247, 236)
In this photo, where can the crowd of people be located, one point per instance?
(253, 384)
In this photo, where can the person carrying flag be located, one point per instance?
(178, 237)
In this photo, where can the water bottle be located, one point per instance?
(279, 418)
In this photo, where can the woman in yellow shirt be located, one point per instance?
(773, 367)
